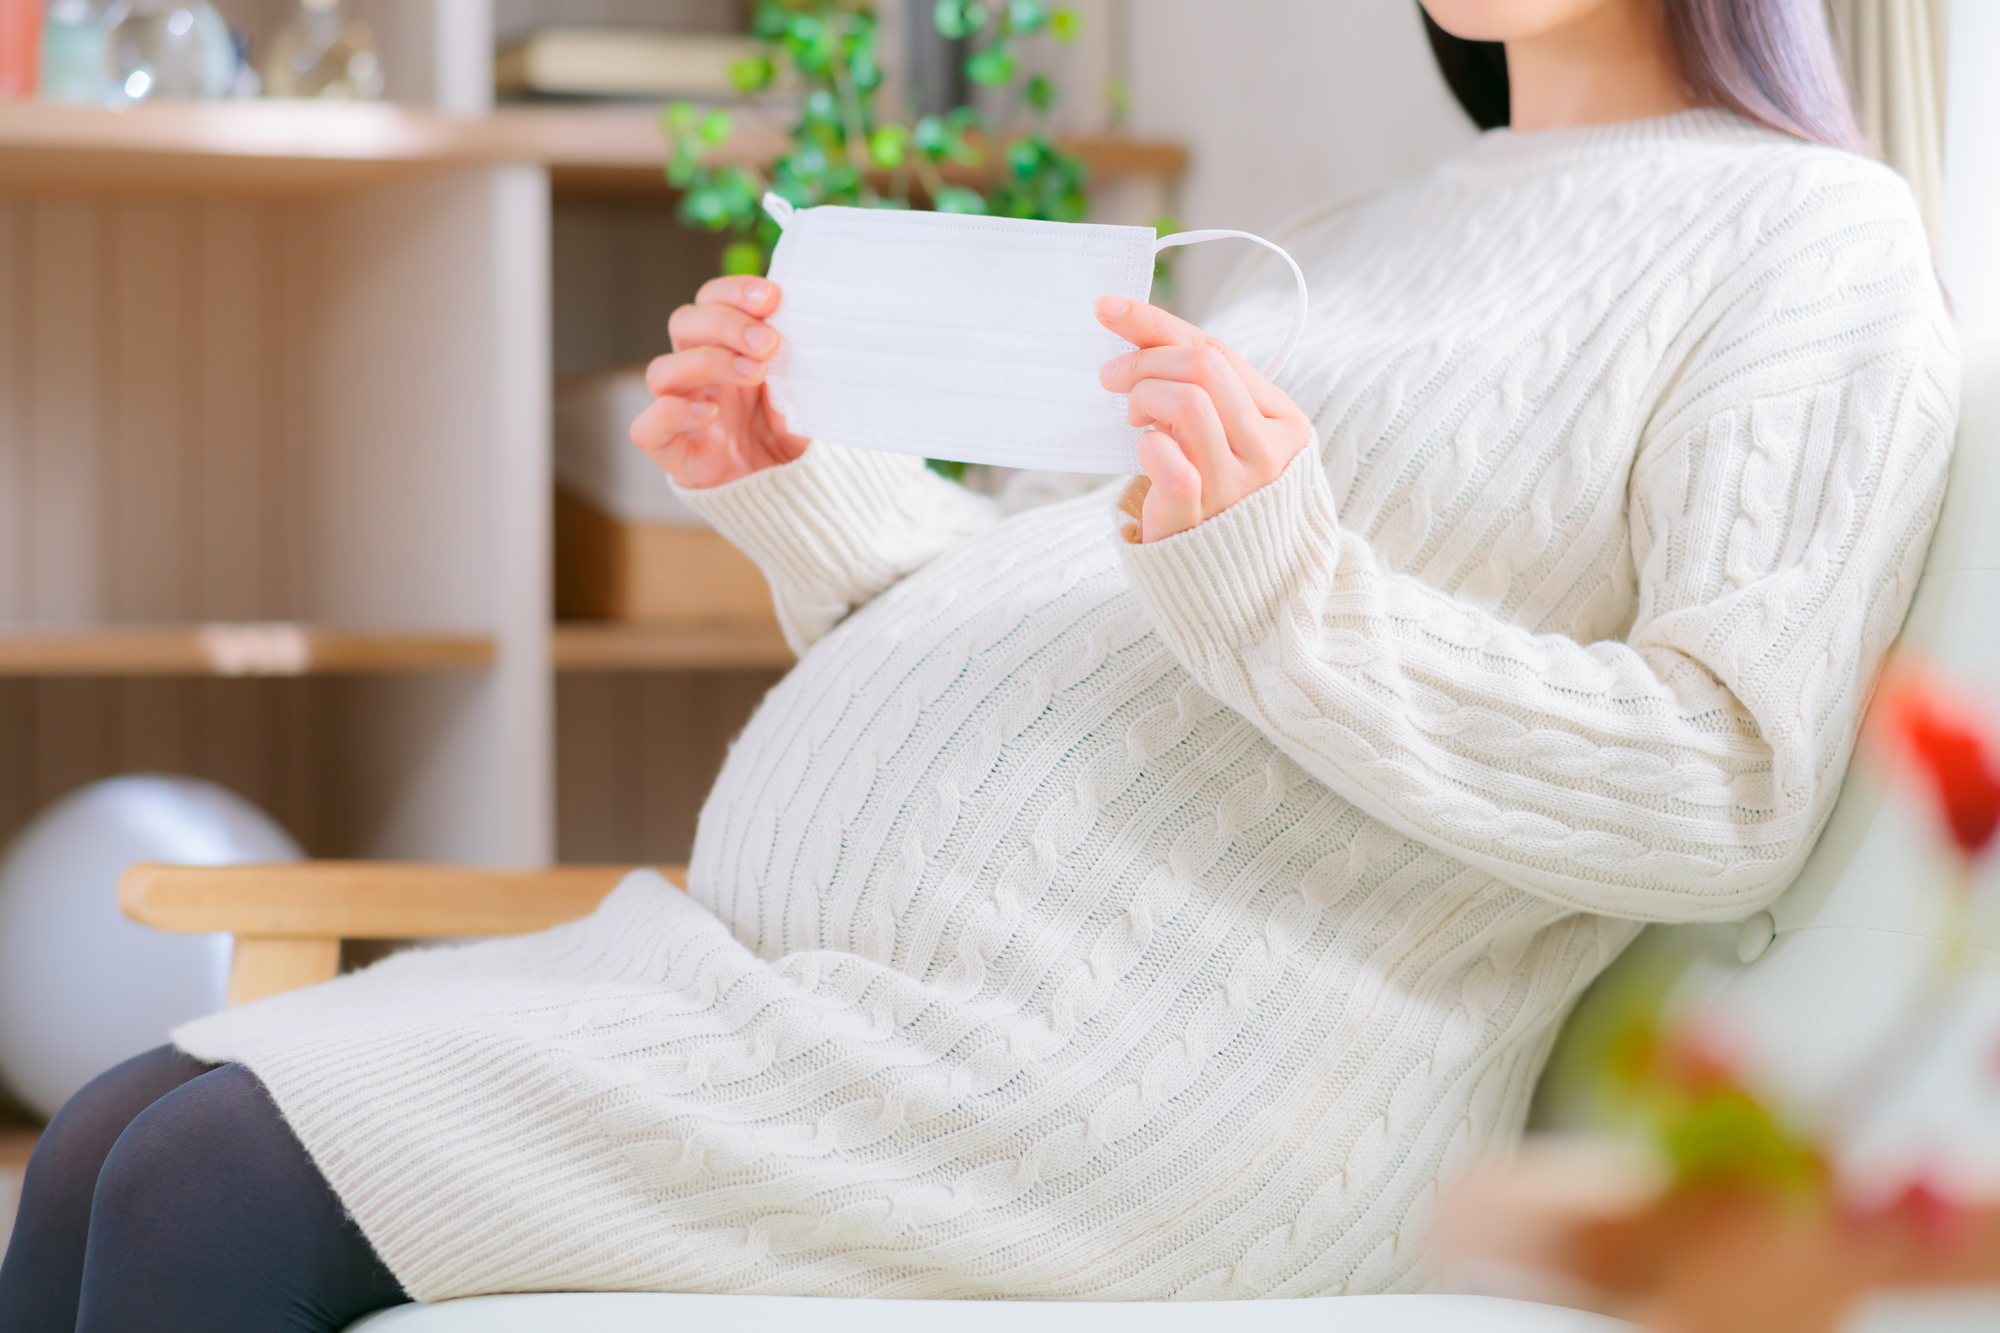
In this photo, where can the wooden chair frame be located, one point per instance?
(290, 919)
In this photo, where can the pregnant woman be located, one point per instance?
(1160, 893)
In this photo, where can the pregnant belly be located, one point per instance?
(981, 763)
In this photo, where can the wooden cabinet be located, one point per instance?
(275, 481)
(283, 363)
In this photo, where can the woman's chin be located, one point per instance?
(1508, 20)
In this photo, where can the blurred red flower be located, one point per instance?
(1953, 752)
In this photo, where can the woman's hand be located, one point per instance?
(1219, 429)
(711, 420)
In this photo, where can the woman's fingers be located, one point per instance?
(1204, 367)
(703, 368)
(1173, 502)
(719, 325)
(709, 422)
(669, 419)
(1149, 326)
(1185, 412)
(1145, 325)
(756, 297)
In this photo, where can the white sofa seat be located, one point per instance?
(792, 1314)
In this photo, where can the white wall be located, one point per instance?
(1284, 104)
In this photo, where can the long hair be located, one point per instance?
(1769, 60)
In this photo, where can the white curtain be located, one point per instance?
(1893, 53)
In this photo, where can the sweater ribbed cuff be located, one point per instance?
(813, 525)
(1227, 582)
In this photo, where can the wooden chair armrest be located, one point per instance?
(289, 919)
(361, 900)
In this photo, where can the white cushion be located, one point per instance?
(604, 1313)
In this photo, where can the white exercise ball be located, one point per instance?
(81, 987)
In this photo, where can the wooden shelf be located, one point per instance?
(291, 148)
(233, 650)
(285, 148)
(584, 646)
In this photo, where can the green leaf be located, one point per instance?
(1166, 224)
(931, 137)
(1066, 25)
(678, 118)
(888, 145)
(808, 162)
(682, 170)
(752, 74)
(957, 199)
(812, 42)
(959, 19)
(743, 186)
(945, 467)
(1119, 94)
(823, 106)
(707, 208)
(862, 68)
(1026, 16)
(964, 152)
(1041, 92)
(715, 128)
(743, 258)
(992, 68)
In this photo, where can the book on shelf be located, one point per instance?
(619, 63)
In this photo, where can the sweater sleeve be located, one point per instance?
(836, 526)
(1780, 506)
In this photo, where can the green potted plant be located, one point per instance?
(845, 150)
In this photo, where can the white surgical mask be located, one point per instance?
(962, 337)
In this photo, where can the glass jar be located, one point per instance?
(169, 48)
(323, 51)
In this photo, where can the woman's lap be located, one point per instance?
(170, 1195)
(43, 1271)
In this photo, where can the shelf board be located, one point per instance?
(288, 148)
(278, 649)
(589, 646)
(280, 148)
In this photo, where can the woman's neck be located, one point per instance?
(1607, 66)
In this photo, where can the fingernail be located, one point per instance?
(1112, 307)
(755, 292)
(746, 366)
(760, 338)
(702, 411)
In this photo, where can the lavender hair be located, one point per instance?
(1769, 60)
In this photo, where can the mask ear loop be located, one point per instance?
(780, 209)
(1298, 276)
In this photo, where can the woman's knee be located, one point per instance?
(90, 1122)
(209, 1207)
(214, 1137)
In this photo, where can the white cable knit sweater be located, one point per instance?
(1085, 919)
